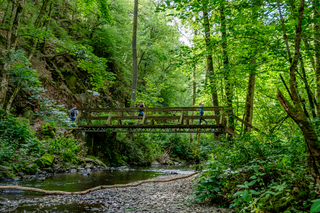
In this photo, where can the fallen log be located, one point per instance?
(95, 188)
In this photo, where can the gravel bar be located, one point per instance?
(149, 197)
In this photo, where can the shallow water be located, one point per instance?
(73, 182)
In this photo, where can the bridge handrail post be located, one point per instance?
(181, 117)
(77, 121)
(109, 119)
(144, 116)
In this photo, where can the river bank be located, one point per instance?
(148, 197)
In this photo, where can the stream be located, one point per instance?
(73, 182)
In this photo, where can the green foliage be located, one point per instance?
(48, 130)
(315, 206)
(16, 135)
(67, 148)
(20, 70)
(250, 173)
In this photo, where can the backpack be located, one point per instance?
(72, 113)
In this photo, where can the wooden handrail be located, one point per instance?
(153, 114)
(162, 109)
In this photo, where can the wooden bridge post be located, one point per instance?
(144, 116)
(151, 120)
(119, 120)
(109, 118)
(77, 121)
(187, 120)
(181, 117)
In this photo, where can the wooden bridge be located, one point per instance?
(157, 119)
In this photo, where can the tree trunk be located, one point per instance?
(17, 8)
(12, 97)
(193, 86)
(47, 23)
(248, 110)
(296, 112)
(316, 30)
(5, 14)
(134, 54)
(308, 90)
(228, 87)
(214, 95)
(38, 23)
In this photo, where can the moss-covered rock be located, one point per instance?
(80, 161)
(48, 131)
(49, 170)
(45, 161)
(96, 161)
(5, 168)
(100, 163)
(30, 169)
(91, 157)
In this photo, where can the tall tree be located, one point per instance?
(226, 66)
(12, 37)
(210, 71)
(316, 30)
(296, 111)
(134, 54)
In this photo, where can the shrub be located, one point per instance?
(251, 173)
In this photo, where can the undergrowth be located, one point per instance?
(251, 174)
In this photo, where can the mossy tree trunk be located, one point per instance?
(210, 71)
(296, 111)
(12, 37)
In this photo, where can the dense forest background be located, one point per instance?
(259, 59)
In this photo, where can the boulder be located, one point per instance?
(88, 160)
(89, 166)
(155, 163)
(30, 169)
(73, 170)
(81, 170)
(96, 161)
(5, 168)
(100, 163)
(45, 161)
(70, 165)
(49, 169)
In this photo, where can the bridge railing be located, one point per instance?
(151, 116)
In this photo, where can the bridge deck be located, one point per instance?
(160, 119)
(153, 128)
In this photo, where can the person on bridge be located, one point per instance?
(201, 113)
(141, 105)
(73, 114)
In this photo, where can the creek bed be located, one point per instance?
(77, 182)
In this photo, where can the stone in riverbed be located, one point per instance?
(30, 169)
(45, 160)
(89, 166)
(89, 160)
(49, 169)
(12, 191)
(85, 174)
(81, 170)
(41, 178)
(73, 170)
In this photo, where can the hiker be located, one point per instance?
(141, 104)
(73, 113)
(201, 113)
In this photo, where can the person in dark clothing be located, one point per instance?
(73, 114)
(201, 113)
(141, 105)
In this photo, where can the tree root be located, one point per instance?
(95, 188)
